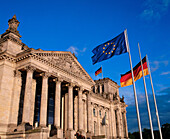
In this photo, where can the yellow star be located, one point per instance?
(113, 45)
(108, 43)
(103, 51)
(112, 51)
(106, 53)
(103, 47)
(113, 48)
(109, 52)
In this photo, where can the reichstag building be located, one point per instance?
(48, 94)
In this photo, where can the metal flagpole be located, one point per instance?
(146, 94)
(102, 71)
(157, 115)
(134, 88)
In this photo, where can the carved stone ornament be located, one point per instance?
(13, 24)
(30, 68)
(63, 61)
(17, 73)
(46, 74)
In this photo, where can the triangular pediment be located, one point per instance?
(67, 62)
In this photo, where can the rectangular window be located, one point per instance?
(94, 113)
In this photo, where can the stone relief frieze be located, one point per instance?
(64, 61)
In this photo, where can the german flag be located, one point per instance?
(98, 71)
(126, 79)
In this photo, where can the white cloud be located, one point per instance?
(75, 50)
(156, 64)
(154, 9)
(165, 73)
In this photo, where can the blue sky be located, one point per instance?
(79, 26)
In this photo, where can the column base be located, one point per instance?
(70, 134)
(59, 133)
(89, 135)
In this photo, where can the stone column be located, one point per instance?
(28, 95)
(70, 132)
(80, 109)
(125, 123)
(15, 98)
(92, 117)
(32, 101)
(98, 121)
(66, 111)
(57, 104)
(109, 123)
(89, 114)
(85, 116)
(121, 124)
(118, 124)
(57, 109)
(113, 125)
(44, 99)
(76, 113)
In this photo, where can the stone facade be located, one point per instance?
(48, 94)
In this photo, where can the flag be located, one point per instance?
(126, 79)
(98, 71)
(116, 46)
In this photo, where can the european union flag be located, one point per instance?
(116, 46)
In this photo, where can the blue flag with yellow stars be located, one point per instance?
(116, 46)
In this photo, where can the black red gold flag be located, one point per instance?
(126, 79)
(98, 71)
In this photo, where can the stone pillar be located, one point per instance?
(15, 98)
(62, 113)
(76, 113)
(57, 104)
(116, 121)
(89, 114)
(125, 123)
(121, 124)
(32, 101)
(113, 122)
(118, 127)
(85, 116)
(66, 111)
(96, 89)
(98, 121)
(44, 99)
(57, 109)
(109, 123)
(70, 132)
(92, 118)
(80, 109)
(28, 95)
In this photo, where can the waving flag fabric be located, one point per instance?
(116, 46)
(126, 79)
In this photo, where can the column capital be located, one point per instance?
(30, 68)
(58, 79)
(71, 84)
(17, 73)
(45, 74)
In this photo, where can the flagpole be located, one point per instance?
(134, 88)
(102, 71)
(157, 115)
(146, 94)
